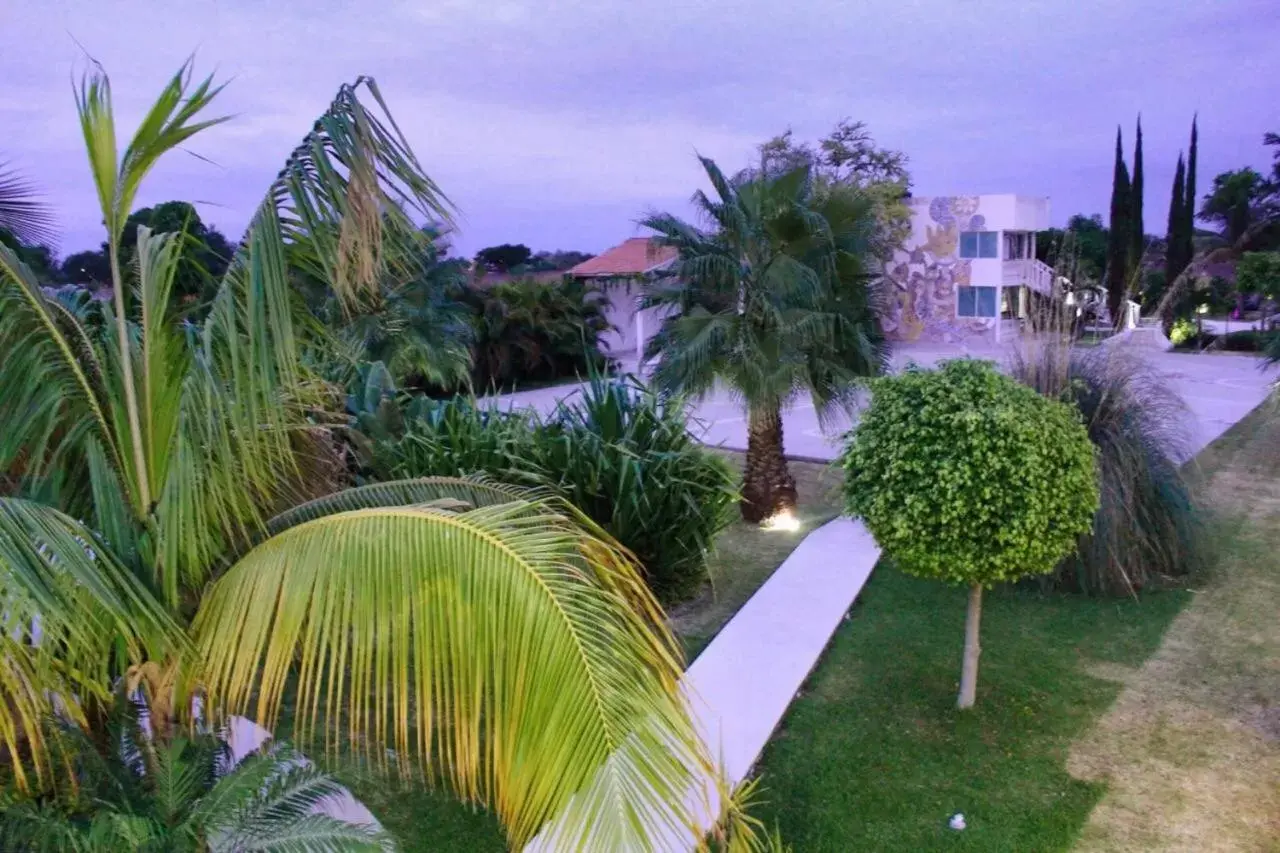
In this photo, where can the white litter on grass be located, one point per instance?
(957, 821)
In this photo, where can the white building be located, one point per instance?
(966, 271)
(620, 273)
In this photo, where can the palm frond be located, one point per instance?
(471, 641)
(453, 492)
(21, 212)
(51, 394)
(71, 615)
(167, 125)
(348, 194)
(269, 802)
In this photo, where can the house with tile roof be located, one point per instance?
(620, 273)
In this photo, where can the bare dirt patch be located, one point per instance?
(1191, 748)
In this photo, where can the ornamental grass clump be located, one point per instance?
(964, 475)
(1148, 526)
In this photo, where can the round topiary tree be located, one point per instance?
(966, 476)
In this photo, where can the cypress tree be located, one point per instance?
(1189, 199)
(1137, 235)
(1174, 262)
(1119, 239)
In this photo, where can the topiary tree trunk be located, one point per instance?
(767, 485)
(972, 648)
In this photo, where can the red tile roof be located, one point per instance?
(632, 257)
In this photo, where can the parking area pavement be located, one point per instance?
(1219, 390)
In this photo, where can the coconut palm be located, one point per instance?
(492, 638)
(774, 300)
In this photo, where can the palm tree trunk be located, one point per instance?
(767, 486)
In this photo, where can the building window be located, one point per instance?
(976, 301)
(979, 244)
(1017, 246)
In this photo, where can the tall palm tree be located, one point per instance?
(492, 638)
(775, 300)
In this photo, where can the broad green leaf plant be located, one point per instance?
(493, 638)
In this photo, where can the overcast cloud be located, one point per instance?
(557, 124)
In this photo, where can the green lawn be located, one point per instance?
(745, 557)
(425, 821)
(875, 756)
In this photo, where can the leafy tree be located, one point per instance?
(504, 258)
(203, 252)
(1087, 246)
(1119, 240)
(39, 258)
(848, 156)
(1239, 204)
(87, 267)
(965, 476)
(557, 260)
(1259, 272)
(1187, 234)
(774, 300)
(177, 447)
(133, 788)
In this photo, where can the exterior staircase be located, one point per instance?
(1036, 275)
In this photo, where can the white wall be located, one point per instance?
(628, 337)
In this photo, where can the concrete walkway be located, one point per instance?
(743, 682)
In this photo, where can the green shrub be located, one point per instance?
(1184, 329)
(1147, 524)
(1247, 340)
(618, 453)
(1244, 340)
(626, 458)
(964, 475)
(458, 437)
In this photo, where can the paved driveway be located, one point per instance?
(1219, 390)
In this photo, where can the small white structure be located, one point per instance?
(967, 270)
(620, 273)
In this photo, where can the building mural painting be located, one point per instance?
(926, 273)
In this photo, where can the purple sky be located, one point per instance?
(558, 123)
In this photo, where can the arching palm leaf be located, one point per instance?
(66, 604)
(21, 212)
(502, 645)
